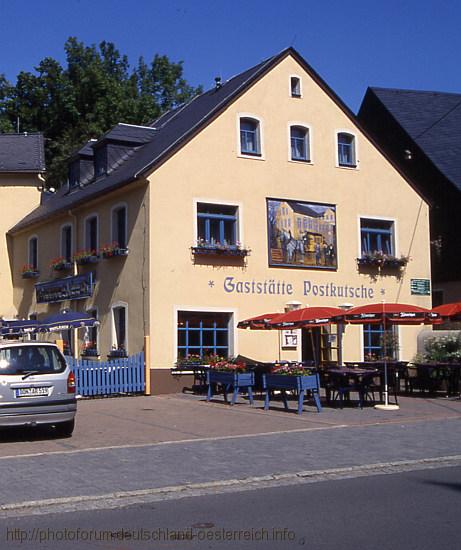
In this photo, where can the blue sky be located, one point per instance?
(351, 44)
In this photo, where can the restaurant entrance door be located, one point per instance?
(310, 341)
(320, 344)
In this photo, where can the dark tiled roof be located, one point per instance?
(22, 153)
(304, 209)
(169, 132)
(433, 121)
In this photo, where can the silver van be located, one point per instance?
(37, 387)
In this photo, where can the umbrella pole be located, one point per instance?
(386, 406)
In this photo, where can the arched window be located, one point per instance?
(33, 253)
(250, 138)
(299, 142)
(66, 242)
(346, 150)
(91, 233)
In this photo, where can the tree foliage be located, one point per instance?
(97, 89)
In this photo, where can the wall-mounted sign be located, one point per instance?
(290, 339)
(301, 234)
(420, 287)
(67, 288)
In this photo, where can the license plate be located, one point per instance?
(32, 391)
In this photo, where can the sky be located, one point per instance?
(410, 44)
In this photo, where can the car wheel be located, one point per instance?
(65, 429)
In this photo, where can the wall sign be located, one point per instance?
(67, 288)
(420, 287)
(301, 234)
(290, 339)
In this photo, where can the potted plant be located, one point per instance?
(118, 352)
(90, 350)
(204, 247)
(60, 264)
(230, 373)
(113, 249)
(29, 271)
(292, 377)
(85, 257)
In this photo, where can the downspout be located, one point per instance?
(74, 272)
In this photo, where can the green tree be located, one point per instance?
(96, 89)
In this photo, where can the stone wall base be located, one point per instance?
(163, 382)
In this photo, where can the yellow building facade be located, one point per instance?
(267, 198)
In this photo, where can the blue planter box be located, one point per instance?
(236, 380)
(299, 383)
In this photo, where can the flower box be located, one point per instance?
(216, 250)
(117, 353)
(87, 260)
(382, 261)
(299, 382)
(227, 379)
(62, 266)
(114, 252)
(30, 274)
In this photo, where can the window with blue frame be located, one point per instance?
(250, 138)
(376, 345)
(346, 150)
(299, 138)
(203, 334)
(377, 236)
(216, 224)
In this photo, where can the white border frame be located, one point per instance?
(238, 205)
(356, 147)
(112, 211)
(113, 332)
(378, 218)
(61, 227)
(300, 86)
(85, 222)
(233, 347)
(260, 122)
(308, 128)
(34, 236)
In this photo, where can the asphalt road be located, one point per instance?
(416, 510)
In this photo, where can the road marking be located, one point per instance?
(127, 498)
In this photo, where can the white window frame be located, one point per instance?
(308, 129)
(29, 260)
(261, 155)
(116, 305)
(233, 347)
(61, 240)
(361, 217)
(238, 206)
(290, 92)
(112, 226)
(356, 149)
(85, 231)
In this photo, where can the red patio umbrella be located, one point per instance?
(307, 317)
(260, 322)
(390, 314)
(450, 311)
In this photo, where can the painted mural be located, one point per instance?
(301, 234)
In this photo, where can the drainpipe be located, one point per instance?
(74, 272)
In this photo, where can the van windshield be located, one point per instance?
(23, 359)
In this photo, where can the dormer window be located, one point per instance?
(295, 86)
(100, 161)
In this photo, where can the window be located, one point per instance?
(376, 345)
(119, 226)
(91, 233)
(377, 236)
(202, 333)
(91, 333)
(66, 243)
(120, 324)
(33, 253)
(299, 141)
(216, 224)
(250, 139)
(295, 86)
(346, 150)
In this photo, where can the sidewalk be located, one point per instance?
(126, 421)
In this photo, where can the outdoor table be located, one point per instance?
(344, 380)
(396, 370)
